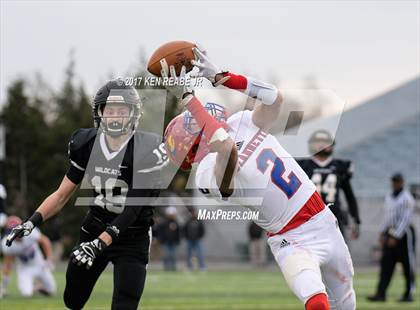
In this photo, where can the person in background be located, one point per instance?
(31, 264)
(257, 244)
(194, 232)
(55, 236)
(169, 234)
(331, 176)
(3, 215)
(397, 240)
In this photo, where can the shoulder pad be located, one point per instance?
(346, 166)
(302, 160)
(78, 150)
(151, 153)
(81, 137)
(148, 140)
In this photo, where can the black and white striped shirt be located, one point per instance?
(398, 213)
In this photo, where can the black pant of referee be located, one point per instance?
(403, 250)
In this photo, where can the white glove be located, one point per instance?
(176, 85)
(206, 68)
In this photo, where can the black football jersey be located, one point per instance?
(120, 179)
(330, 177)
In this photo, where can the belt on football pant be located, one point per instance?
(312, 207)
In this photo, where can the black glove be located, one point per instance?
(19, 231)
(86, 252)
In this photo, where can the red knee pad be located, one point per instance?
(318, 302)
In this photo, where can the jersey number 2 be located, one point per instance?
(289, 187)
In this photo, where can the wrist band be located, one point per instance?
(36, 219)
(113, 231)
(235, 81)
(264, 92)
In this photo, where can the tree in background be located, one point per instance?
(38, 127)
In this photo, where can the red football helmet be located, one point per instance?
(11, 222)
(184, 139)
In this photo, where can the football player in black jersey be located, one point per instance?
(330, 175)
(121, 165)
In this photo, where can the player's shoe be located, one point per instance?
(376, 298)
(408, 298)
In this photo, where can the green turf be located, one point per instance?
(245, 290)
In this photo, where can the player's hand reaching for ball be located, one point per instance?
(176, 85)
(86, 252)
(206, 68)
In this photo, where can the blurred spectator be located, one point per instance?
(397, 240)
(155, 248)
(3, 216)
(194, 231)
(257, 244)
(169, 236)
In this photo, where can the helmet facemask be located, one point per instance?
(120, 125)
(184, 139)
(215, 110)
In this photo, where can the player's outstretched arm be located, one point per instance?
(225, 168)
(268, 97)
(219, 141)
(48, 208)
(56, 201)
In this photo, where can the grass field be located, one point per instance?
(242, 290)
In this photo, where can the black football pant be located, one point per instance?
(403, 252)
(129, 256)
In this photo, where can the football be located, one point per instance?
(176, 53)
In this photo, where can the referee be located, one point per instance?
(397, 240)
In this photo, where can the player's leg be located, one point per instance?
(47, 280)
(171, 248)
(130, 256)
(129, 279)
(301, 271)
(25, 281)
(406, 251)
(190, 246)
(338, 273)
(387, 267)
(200, 254)
(80, 282)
